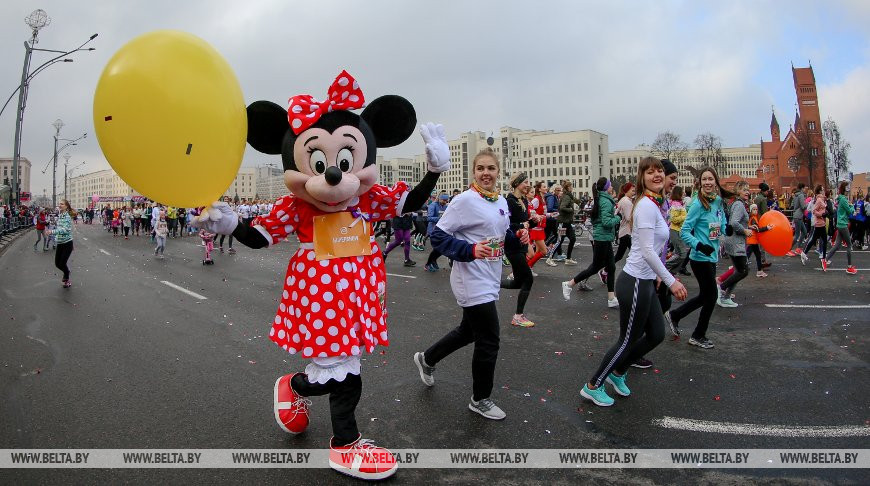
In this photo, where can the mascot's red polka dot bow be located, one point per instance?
(344, 94)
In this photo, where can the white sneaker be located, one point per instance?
(760, 274)
(566, 290)
(510, 276)
(426, 372)
(534, 274)
(569, 261)
(613, 303)
(804, 258)
(487, 408)
(550, 262)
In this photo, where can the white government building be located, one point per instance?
(580, 156)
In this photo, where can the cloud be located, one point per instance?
(848, 103)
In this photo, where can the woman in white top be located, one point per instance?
(641, 321)
(469, 232)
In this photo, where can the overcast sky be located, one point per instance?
(627, 69)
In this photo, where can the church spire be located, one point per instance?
(774, 126)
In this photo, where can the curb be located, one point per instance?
(7, 241)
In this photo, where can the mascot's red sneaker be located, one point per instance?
(291, 410)
(362, 459)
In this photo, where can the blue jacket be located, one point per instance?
(434, 213)
(696, 228)
(552, 203)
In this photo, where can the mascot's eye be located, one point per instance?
(318, 162)
(345, 160)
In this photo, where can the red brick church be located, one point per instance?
(785, 161)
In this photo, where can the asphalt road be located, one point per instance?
(123, 360)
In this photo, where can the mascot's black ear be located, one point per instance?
(391, 118)
(267, 124)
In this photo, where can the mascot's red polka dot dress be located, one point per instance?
(336, 307)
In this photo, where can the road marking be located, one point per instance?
(104, 251)
(766, 430)
(402, 276)
(182, 289)
(843, 269)
(84, 238)
(814, 306)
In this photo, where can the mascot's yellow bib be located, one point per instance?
(341, 235)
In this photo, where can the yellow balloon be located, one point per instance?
(170, 117)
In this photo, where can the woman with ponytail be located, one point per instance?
(64, 236)
(604, 221)
(522, 274)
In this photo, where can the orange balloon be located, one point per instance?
(777, 241)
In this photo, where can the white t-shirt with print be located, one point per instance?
(470, 217)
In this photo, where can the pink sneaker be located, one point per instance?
(362, 459)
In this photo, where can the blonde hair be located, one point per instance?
(486, 152)
(740, 186)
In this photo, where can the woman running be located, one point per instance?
(522, 274)
(819, 208)
(844, 210)
(538, 212)
(552, 228)
(566, 221)
(701, 231)
(465, 234)
(402, 230)
(752, 245)
(604, 221)
(63, 233)
(735, 245)
(641, 321)
(623, 209)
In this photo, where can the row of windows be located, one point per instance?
(546, 149)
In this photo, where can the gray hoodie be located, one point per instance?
(735, 245)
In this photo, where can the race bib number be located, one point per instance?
(715, 228)
(339, 235)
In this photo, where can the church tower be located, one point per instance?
(774, 127)
(808, 119)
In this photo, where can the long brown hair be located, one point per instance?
(640, 188)
(723, 193)
(72, 213)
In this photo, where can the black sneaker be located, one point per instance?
(642, 363)
(675, 328)
(410, 263)
(701, 343)
(685, 272)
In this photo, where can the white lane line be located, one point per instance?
(104, 251)
(766, 430)
(843, 269)
(402, 276)
(84, 238)
(814, 306)
(182, 289)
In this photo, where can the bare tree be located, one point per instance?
(668, 145)
(808, 151)
(838, 151)
(709, 151)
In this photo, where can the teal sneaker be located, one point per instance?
(598, 396)
(619, 385)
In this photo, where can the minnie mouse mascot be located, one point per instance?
(333, 302)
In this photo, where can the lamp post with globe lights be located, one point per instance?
(36, 21)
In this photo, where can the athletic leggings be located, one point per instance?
(741, 270)
(61, 257)
(641, 326)
(343, 399)
(842, 237)
(705, 273)
(569, 232)
(523, 279)
(161, 244)
(126, 231)
(624, 245)
(819, 234)
(41, 236)
(602, 257)
(479, 326)
(401, 236)
(800, 232)
(433, 257)
(750, 249)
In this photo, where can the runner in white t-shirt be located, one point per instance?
(641, 321)
(470, 232)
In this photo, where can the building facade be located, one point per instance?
(106, 184)
(786, 160)
(23, 173)
(410, 170)
(269, 182)
(244, 186)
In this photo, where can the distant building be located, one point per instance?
(270, 182)
(23, 173)
(409, 170)
(781, 155)
(244, 186)
(860, 184)
(105, 184)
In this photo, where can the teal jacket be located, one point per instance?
(699, 221)
(604, 226)
(844, 211)
(63, 232)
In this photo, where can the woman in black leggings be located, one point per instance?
(63, 234)
(566, 222)
(735, 245)
(604, 221)
(522, 274)
(701, 231)
(641, 322)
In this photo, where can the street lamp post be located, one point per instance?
(36, 20)
(66, 173)
(58, 124)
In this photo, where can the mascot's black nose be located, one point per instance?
(333, 175)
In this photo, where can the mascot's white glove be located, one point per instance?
(219, 218)
(437, 151)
